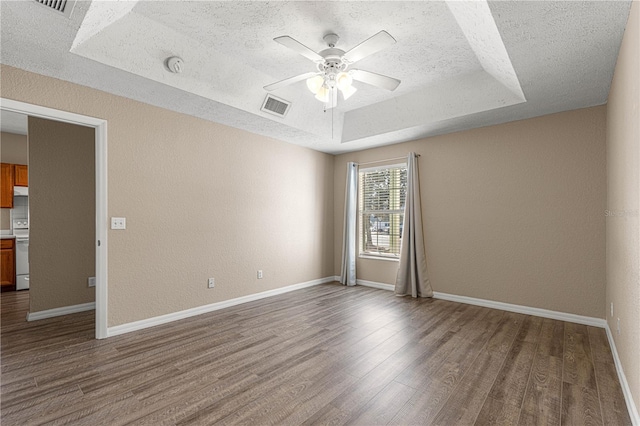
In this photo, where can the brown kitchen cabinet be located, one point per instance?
(6, 185)
(20, 175)
(8, 264)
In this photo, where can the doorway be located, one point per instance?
(100, 131)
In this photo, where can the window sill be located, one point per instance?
(392, 259)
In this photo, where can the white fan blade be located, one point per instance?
(370, 46)
(299, 47)
(287, 81)
(374, 79)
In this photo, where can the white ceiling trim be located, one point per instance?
(477, 24)
(457, 97)
(100, 15)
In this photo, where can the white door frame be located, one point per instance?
(100, 127)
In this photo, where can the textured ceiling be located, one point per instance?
(13, 122)
(462, 64)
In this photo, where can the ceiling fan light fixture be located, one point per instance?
(314, 84)
(323, 94)
(348, 91)
(344, 80)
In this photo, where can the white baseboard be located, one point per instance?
(163, 319)
(527, 310)
(56, 312)
(631, 406)
(521, 309)
(374, 284)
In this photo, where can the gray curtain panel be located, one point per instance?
(348, 274)
(412, 278)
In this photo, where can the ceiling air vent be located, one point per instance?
(63, 6)
(275, 106)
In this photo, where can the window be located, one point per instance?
(381, 196)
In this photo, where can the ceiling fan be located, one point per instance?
(332, 67)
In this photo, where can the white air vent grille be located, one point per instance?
(275, 106)
(63, 6)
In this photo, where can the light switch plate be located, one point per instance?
(118, 223)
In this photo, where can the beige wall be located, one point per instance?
(13, 149)
(512, 213)
(61, 214)
(201, 200)
(623, 203)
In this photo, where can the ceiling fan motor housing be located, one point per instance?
(330, 70)
(331, 39)
(333, 62)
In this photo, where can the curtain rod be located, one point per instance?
(384, 161)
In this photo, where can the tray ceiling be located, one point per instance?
(462, 64)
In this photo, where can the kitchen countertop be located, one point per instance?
(7, 237)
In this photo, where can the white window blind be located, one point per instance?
(381, 196)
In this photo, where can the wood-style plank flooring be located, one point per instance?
(328, 354)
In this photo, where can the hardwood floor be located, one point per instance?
(328, 354)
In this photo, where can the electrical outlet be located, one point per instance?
(611, 309)
(618, 327)
(91, 281)
(211, 283)
(259, 274)
(118, 223)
